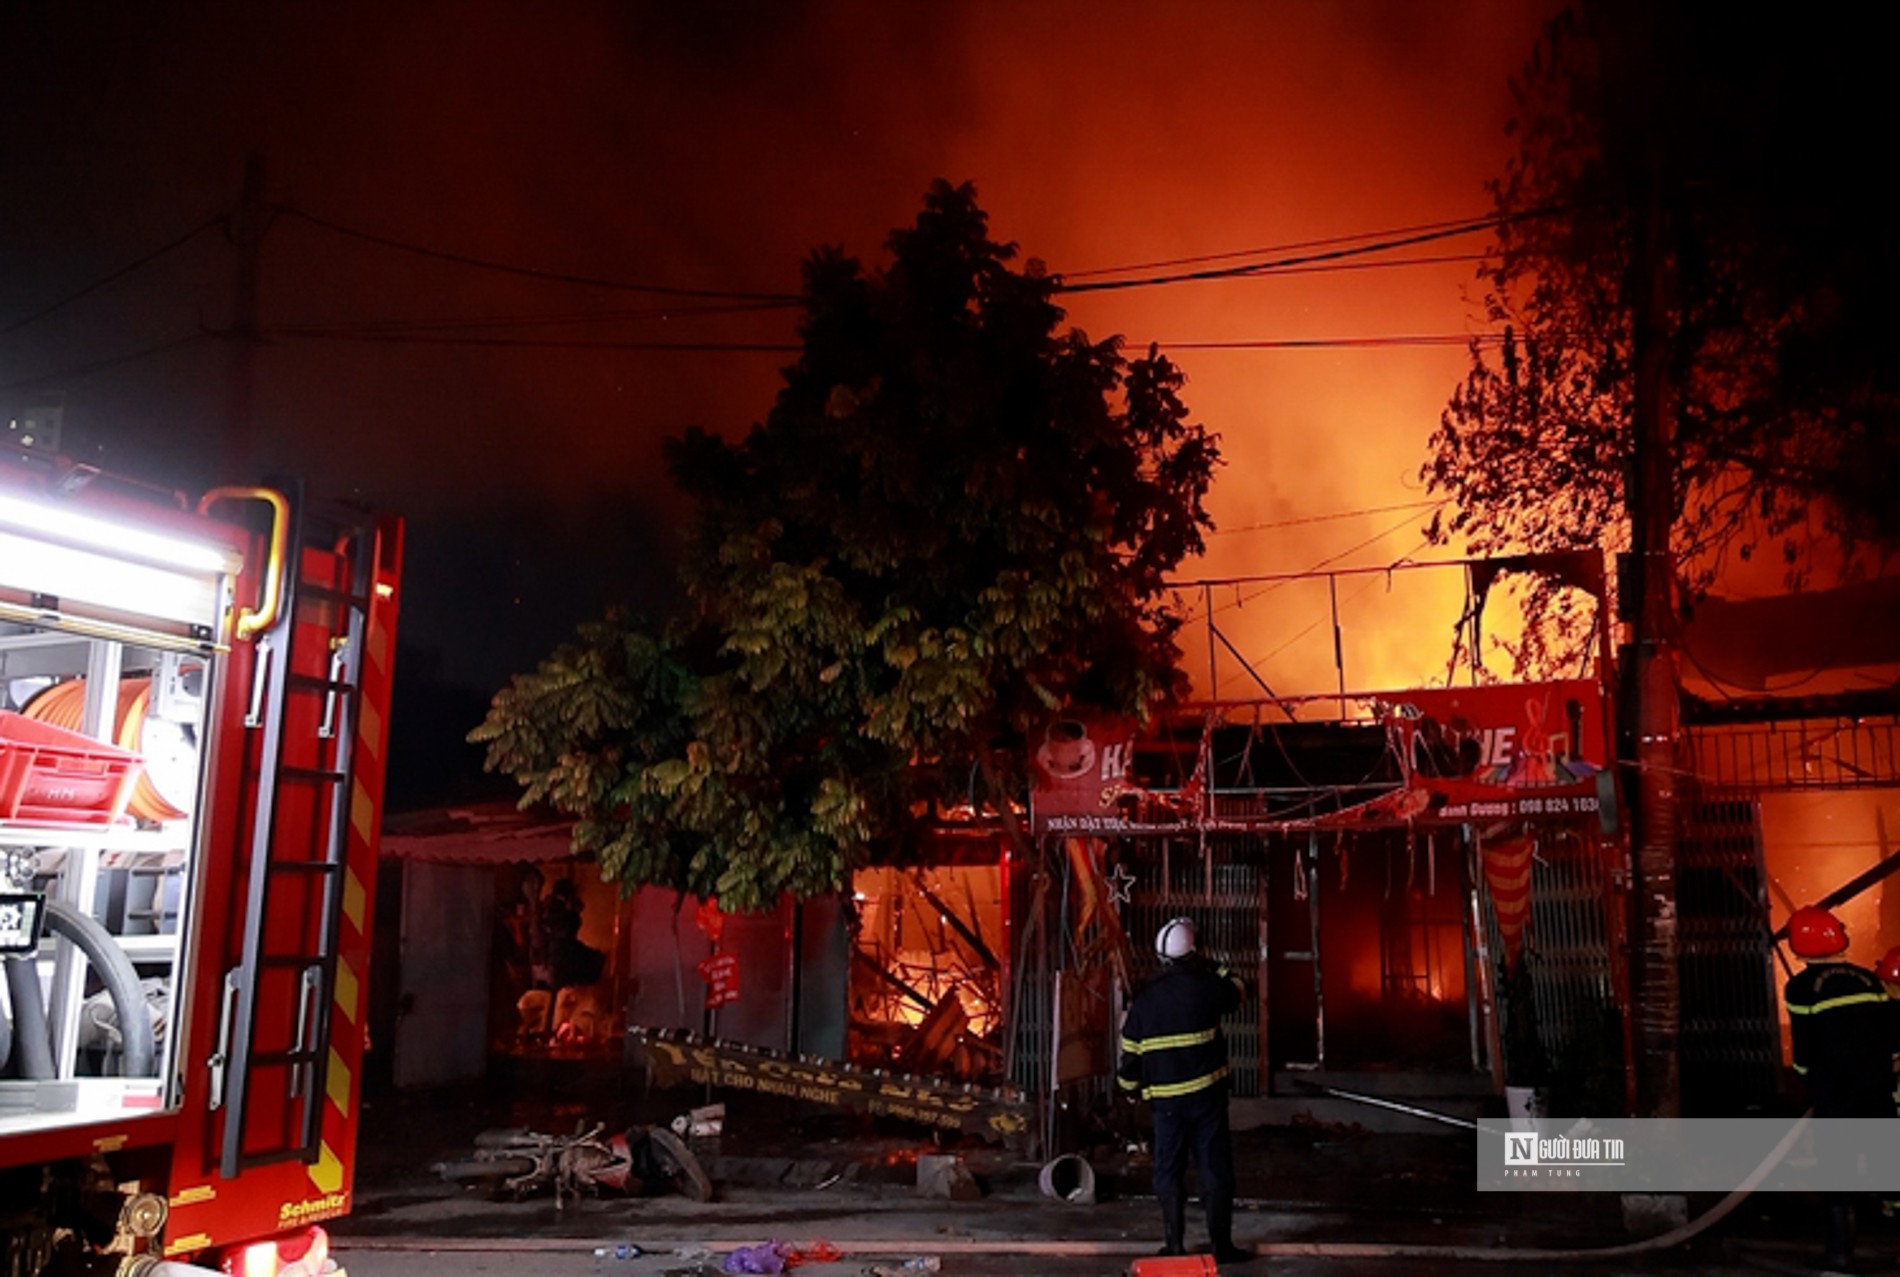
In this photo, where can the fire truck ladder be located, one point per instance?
(303, 709)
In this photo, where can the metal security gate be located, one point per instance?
(1219, 882)
(1571, 959)
(1731, 1037)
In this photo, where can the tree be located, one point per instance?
(956, 518)
(1741, 137)
(1694, 278)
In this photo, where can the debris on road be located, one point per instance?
(944, 1175)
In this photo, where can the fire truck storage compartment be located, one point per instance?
(100, 770)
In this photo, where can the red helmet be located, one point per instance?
(1813, 932)
(1889, 968)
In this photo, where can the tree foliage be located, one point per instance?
(956, 518)
(1746, 133)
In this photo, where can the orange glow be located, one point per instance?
(1813, 843)
(914, 942)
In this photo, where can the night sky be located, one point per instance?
(709, 146)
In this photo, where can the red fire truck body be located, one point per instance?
(194, 708)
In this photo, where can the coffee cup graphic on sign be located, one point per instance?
(1066, 751)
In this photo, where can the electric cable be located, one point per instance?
(1324, 518)
(534, 343)
(1339, 343)
(1288, 247)
(100, 365)
(136, 264)
(531, 272)
(1241, 600)
(395, 337)
(1261, 660)
(371, 326)
(1304, 259)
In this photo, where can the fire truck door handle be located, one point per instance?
(253, 621)
(338, 655)
(223, 1057)
(260, 680)
(306, 999)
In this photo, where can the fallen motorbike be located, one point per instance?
(640, 1161)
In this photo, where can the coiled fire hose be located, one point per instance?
(139, 1053)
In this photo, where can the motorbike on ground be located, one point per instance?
(520, 1163)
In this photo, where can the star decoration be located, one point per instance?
(1121, 885)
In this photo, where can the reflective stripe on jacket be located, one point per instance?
(1844, 1030)
(1171, 1039)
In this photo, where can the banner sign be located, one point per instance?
(1078, 775)
(945, 1104)
(1692, 1155)
(1510, 734)
(721, 974)
(1507, 752)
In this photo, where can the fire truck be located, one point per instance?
(194, 706)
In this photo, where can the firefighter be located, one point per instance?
(1889, 971)
(1844, 1031)
(1173, 1056)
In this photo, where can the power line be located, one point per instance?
(395, 336)
(767, 307)
(1290, 247)
(1340, 268)
(114, 276)
(1240, 600)
(1307, 264)
(1338, 343)
(1325, 518)
(534, 343)
(100, 365)
(1303, 259)
(374, 326)
(1267, 656)
(532, 272)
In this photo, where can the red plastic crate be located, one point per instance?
(1175, 1266)
(49, 775)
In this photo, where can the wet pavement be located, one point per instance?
(1316, 1200)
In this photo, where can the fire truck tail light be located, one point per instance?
(302, 1254)
(99, 534)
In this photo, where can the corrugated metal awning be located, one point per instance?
(493, 835)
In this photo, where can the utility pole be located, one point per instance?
(246, 234)
(1657, 712)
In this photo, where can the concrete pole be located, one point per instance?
(1657, 710)
(247, 235)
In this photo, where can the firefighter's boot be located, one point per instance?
(1840, 1235)
(1174, 1224)
(1220, 1231)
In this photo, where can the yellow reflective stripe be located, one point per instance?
(1125, 1084)
(1847, 1000)
(1801, 1069)
(1171, 1089)
(1130, 1046)
(1170, 1042)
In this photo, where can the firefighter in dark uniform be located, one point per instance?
(1173, 1056)
(1844, 1030)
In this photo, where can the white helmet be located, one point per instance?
(1175, 939)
